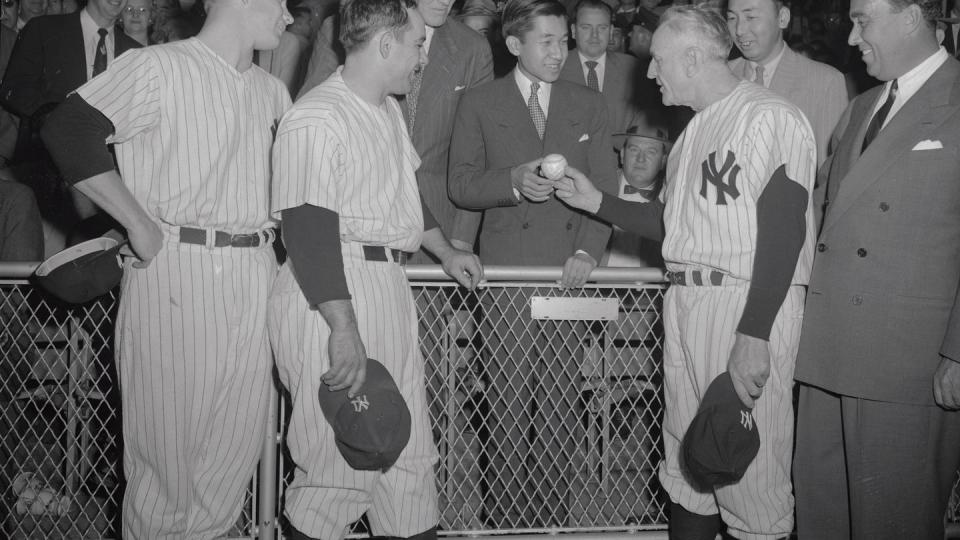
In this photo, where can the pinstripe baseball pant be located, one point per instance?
(326, 494)
(194, 365)
(700, 326)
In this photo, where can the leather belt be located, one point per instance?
(696, 278)
(384, 254)
(190, 235)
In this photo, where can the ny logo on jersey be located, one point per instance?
(360, 403)
(746, 420)
(715, 176)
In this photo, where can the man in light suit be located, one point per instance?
(819, 90)
(878, 435)
(503, 129)
(459, 59)
(613, 74)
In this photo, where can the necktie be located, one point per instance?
(100, 59)
(877, 122)
(412, 98)
(592, 80)
(536, 113)
(631, 190)
(758, 77)
(949, 43)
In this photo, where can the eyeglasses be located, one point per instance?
(130, 10)
(8, 3)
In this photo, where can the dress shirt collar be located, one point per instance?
(910, 82)
(770, 68)
(543, 95)
(426, 43)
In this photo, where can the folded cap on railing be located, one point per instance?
(722, 439)
(372, 428)
(80, 273)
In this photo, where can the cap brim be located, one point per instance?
(73, 253)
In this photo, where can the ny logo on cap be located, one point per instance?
(746, 420)
(715, 176)
(360, 403)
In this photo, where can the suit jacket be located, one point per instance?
(819, 90)
(49, 62)
(494, 133)
(619, 90)
(8, 122)
(882, 302)
(459, 58)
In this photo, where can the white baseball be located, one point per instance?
(553, 166)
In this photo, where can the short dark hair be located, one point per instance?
(592, 4)
(361, 19)
(518, 15)
(930, 9)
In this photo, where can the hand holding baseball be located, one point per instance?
(578, 191)
(530, 184)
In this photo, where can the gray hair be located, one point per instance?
(703, 23)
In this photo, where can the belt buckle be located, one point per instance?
(677, 278)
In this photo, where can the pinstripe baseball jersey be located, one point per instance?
(335, 150)
(317, 162)
(717, 171)
(182, 149)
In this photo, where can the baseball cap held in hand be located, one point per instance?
(373, 427)
(722, 439)
(82, 272)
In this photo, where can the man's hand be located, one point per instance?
(578, 191)
(749, 367)
(946, 384)
(576, 271)
(348, 357)
(462, 266)
(348, 361)
(146, 239)
(530, 184)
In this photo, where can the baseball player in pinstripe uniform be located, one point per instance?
(738, 246)
(192, 126)
(346, 189)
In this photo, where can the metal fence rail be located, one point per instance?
(545, 403)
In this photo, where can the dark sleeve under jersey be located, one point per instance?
(311, 235)
(781, 231)
(75, 134)
(643, 218)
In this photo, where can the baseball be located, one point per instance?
(553, 166)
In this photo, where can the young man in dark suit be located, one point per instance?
(613, 74)
(878, 435)
(503, 130)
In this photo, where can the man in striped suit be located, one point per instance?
(738, 247)
(191, 124)
(819, 90)
(345, 186)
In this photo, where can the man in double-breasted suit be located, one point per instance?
(503, 130)
(819, 90)
(615, 74)
(878, 435)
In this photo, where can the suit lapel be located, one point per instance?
(438, 73)
(78, 64)
(921, 115)
(573, 69)
(787, 77)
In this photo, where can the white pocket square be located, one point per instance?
(584, 137)
(928, 145)
(458, 88)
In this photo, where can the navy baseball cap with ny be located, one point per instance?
(373, 427)
(722, 439)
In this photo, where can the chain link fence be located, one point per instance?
(546, 407)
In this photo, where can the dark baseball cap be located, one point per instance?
(372, 428)
(83, 272)
(722, 439)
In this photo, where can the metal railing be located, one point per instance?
(590, 475)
